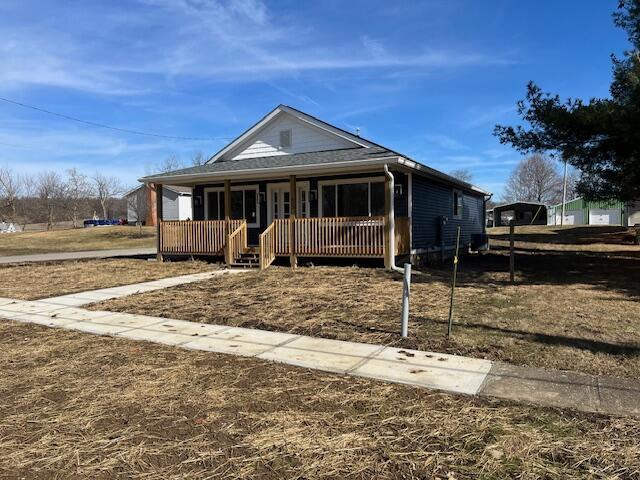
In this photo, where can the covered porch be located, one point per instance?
(293, 225)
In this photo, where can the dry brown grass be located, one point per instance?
(43, 280)
(571, 312)
(80, 406)
(607, 239)
(76, 240)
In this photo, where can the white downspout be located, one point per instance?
(392, 233)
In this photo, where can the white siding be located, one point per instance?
(184, 207)
(633, 213)
(304, 138)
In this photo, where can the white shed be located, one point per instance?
(176, 203)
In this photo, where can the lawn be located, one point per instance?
(75, 240)
(42, 280)
(83, 406)
(611, 239)
(567, 311)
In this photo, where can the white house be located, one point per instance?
(176, 203)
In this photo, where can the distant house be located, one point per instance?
(176, 204)
(583, 212)
(293, 185)
(522, 213)
(632, 213)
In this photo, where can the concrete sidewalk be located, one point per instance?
(93, 296)
(53, 257)
(448, 373)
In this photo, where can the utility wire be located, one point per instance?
(101, 125)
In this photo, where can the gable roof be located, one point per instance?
(284, 161)
(364, 153)
(180, 190)
(299, 115)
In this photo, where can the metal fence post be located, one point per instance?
(406, 287)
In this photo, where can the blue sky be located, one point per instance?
(429, 79)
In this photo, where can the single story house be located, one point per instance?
(522, 213)
(176, 204)
(293, 185)
(583, 212)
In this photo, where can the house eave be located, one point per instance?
(273, 172)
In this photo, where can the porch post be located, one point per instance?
(227, 221)
(293, 207)
(158, 189)
(388, 198)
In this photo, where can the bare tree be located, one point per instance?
(10, 189)
(105, 189)
(198, 159)
(535, 179)
(77, 190)
(50, 189)
(463, 174)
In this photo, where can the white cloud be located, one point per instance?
(159, 42)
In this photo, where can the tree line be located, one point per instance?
(50, 197)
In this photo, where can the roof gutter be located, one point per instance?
(270, 171)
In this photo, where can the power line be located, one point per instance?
(102, 125)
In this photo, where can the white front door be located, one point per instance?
(279, 202)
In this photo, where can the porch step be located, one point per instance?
(247, 260)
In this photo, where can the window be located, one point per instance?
(352, 198)
(215, 206)
(285, 138)
(457, 204)
(244, 204)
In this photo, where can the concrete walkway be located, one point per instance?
(85, 298)
(448, 373)
(53, 257)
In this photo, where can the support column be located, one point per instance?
(293, 208)
(158, 189)
(388, 198)
(227, 221)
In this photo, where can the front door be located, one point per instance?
(279, 203)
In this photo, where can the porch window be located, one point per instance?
(244, 204)
(215, 206)
(356, 199)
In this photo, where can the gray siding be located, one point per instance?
(431, 201)
(169, 204)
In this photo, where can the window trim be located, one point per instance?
(346, 181)
(454, 205)
(235, 188)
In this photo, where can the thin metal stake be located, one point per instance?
(512, 253)
(406, 287)
(453, 283)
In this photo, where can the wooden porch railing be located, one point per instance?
(199, 237)
(402, 228)
(267, 246)
(237, 242)
(339, 236)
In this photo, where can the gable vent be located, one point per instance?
(285, 138)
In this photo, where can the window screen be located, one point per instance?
(353, 200)
(377, 199)
(329, 201)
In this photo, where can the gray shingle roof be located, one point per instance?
(296, 159)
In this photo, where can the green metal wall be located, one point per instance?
(587, 206)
